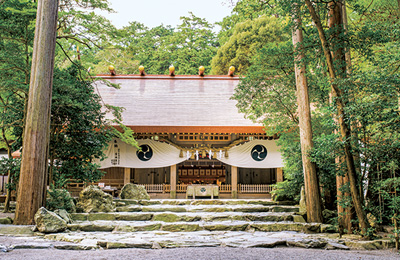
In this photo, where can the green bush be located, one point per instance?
(60, 199)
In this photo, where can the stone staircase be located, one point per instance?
(194, 223)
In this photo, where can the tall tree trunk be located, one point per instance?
(312, 191)
(344, 214)
(32, 188)
(345, 135)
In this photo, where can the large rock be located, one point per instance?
(93, 199)
(134, 192)
(49, 222)
(62, 213)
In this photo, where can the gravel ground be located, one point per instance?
(200, 253)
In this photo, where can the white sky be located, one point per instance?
(156, 12)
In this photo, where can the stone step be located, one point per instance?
(206, 208)
(188, 216)
(134, 226)
(165, 239)
(264, 202)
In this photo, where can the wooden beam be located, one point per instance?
(234, 180)
(279, 175)
(173, 182)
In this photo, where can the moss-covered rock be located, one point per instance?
(284, 209)
(79, 216)
(149, 202)
(64, 215)
(176, 202)
(181, 227)
(91, 227)
(134, 228)
(134, 192)
(6, 221)
(367, 245)
(101, 216)
(223, 227)
(113, 245)
(130, 208)
(93, 199)
(262, 202)
(298, 218)
(268, 218)
(121, 202)
(49, 222)
(326, 228)
(162, 209)
(135, 217)
(207, 202)
(252, 209)
(222, 218)
(277, 227)
(169, 217)
(217, 209)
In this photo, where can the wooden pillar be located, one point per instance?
(127, 175)
(279, 175)
(234, 180)
(173, 182)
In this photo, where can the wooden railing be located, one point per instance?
(75, 188)
(225, 188)
(254, 188)
(154, 188)
(181, 188)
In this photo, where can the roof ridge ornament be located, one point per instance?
(112, 70)
(231, 71)
(172, 70)
(141, 70)
(201, 71)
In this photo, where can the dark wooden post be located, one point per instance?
(32, 183)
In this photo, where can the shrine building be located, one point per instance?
(190, 132)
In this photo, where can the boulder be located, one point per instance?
(62, 213)
(93, 199)
(134, 192)
(49, 222)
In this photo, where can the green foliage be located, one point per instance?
(245, 10)
(371, 92)
(59, 199)
(10, 167)
(78, 132)
(247, 39)
(190, 45)
(284, 191)
(17, 20)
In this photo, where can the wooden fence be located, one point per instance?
(223, 188)
(254, 188)
(75, 188)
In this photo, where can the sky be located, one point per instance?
(153, 13)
